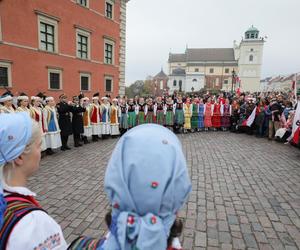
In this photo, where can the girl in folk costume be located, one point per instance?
(131, 113)
(105, 116)
(87, 126)
(159, 111)
(24, 224)
(194, 119)
(95, 117)
(141, 111)
(169, 111)
(226, 112)
(144, 205)
(179, 115)
(150, 111)
(23, 103)
(208, 112)
(53, 139)
(235, 115)
(114, 117)
(187, 110)
(201, 111)
(37, 115)
(7, 104)
(123, 116)
(216, 118)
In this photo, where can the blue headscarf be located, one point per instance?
(15, 133)
(147, 182)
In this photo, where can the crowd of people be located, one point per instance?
(269, 115)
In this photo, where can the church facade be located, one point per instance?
(219, 68)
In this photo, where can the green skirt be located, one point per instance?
(131, 119)
(160, 117)
(179, 117)
(141, 118)
(194, 122)
(169, 118)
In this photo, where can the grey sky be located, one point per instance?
(156, 27)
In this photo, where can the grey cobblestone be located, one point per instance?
(246, 192)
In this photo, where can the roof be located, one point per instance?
(252, 28)
(161, 75)
(178, 71)
(204, 55)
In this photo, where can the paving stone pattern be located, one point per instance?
(246, 191)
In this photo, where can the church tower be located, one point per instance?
(249, 55)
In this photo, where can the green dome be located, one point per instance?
(252, 29)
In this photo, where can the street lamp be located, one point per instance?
(233, 80)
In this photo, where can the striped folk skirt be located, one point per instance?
(131, 119)
(160, 117)
(179, 117)
(169, 118)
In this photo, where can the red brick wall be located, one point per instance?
(29, 67)
(211, 81)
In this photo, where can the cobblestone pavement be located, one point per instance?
(246, 191)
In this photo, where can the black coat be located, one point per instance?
(64, 119)
(77, 119)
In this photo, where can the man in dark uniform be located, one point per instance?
(77, 121)
(64, 110)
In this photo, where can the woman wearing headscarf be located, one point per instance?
(24, 224)
(147, 183)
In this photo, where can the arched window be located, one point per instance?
(174, 83)
(180, 85)
(251, 58)
(194, 80)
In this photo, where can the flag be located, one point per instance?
(248, 122)
(294, 138)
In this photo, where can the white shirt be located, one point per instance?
(36, 230)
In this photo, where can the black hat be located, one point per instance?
(96, 94)
(41, 95)
(81, 95)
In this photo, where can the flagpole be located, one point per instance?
(295, 88)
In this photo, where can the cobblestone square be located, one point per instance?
(246, 191)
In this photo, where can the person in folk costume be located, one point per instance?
(105, 117)
(95, 117)
(64, 109)
(194, 119)
(36, 114)
(87, 127)
(150, 111)
(51, 127)
(208, 112)
(141, 111)
(201, 111)
(159, 111)
(124, 115)
(131, 113)
(226, 111)
(77, 120)
(188, 111)
(114, 117)
(222, 100)
(144, 205)
(179, 115)
(24, 224)
(216, 118)
(23, 103)
(169, 112)
(235, 107)
(7, 104)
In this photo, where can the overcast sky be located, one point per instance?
(156, 27)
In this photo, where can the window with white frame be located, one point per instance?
(5, 74)
(48, 34)
(225, 81)
(196, 69)
(109, 51)
(211, 70)
(108, 84)
(226, 71)
(55, 79)
(251, 58)
(85, 81)
(109, 9)
(84, 3)
(83, 44)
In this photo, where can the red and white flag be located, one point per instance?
(250, 119)
(294, 138)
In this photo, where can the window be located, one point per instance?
(161, 86)
(55, 79)
(83, 44)
(196, 70)
(251, 50)
(48, 36)
(5, 74)
(226, 71)
(85, 82)
(180, 86)
(226, 81)
(252, 35)
(108, 84)
(109, 9)
(174, 83)
(211, 70)
(84, 3)
(251, 58)
(109, 52)
(248, 36)
(194, 80)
